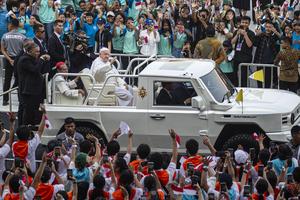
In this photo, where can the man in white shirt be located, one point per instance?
(101, 68)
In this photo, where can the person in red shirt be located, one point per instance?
(143, 151)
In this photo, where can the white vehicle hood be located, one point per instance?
(267, 101)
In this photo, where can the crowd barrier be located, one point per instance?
(270, 72)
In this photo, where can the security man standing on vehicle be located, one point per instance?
(11, 46)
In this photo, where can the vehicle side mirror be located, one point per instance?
(199, 103)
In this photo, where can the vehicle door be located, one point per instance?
(179, 115)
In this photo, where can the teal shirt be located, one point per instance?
(226, 67)
(65, 3)
(164, 47)
(180, 40)
(130, 43)
(118, 39)
(46, 13)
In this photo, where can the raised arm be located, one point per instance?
(42, 123)
(39, 172)
(12, 119)
(174, 146)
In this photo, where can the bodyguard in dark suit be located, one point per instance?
(31, 80)
(39, 36)
(56, 48)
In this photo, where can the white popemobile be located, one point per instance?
(213, 108)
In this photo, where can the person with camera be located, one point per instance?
(15, 188)
(201, 22)
(266, 49)
(80, 56)
(242, 41)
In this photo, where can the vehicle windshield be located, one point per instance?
(218, 85)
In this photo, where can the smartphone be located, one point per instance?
(105, 159)
(37, 197)
(144, 163)
(49, 163)
(19, 162)
(223, 187)
(289, 162)
(270, 165)
(191, 169)
(211, 196)
(231, 151)
(260, 171)
(57, 152)
(195, 179)
(247, 191)
(252, 153)
(290, 179)
(101, 141)
(150, 167)
(273, 147)
(69, 174)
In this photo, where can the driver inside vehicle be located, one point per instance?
(173, 94)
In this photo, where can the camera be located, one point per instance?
(247, 191)
(69, 174)
(19, 163)
(73, 40)
(150, 167)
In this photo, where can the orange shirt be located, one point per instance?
(45, 191)
(20, 149)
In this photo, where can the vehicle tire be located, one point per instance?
(84, 130)
(243, 139)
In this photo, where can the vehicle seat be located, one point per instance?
(61, 99)
(108, 100)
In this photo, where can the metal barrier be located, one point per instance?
(252, 67)
(125, 59)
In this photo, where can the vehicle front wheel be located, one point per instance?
(241, 139)
(85, 130)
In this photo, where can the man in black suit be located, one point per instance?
(39, 36)
(31, 80)
(56, 47)
(165, 96)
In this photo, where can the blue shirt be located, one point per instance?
(90, 30)
(3, 21)
(29, 31)
(279, 164)
(296, 37)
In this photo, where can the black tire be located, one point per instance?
(243, 139)
(84, 130)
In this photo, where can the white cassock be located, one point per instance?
(66, 87)
(100, 70)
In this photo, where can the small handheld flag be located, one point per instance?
(258, 76)
(240, 96)
(47, 123)
(178, 140)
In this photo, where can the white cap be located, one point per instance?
(110, 13)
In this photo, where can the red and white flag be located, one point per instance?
(178, 140)
(255, 136)
(47, 123)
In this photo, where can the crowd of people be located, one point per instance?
(74, 167)
(50, 36)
